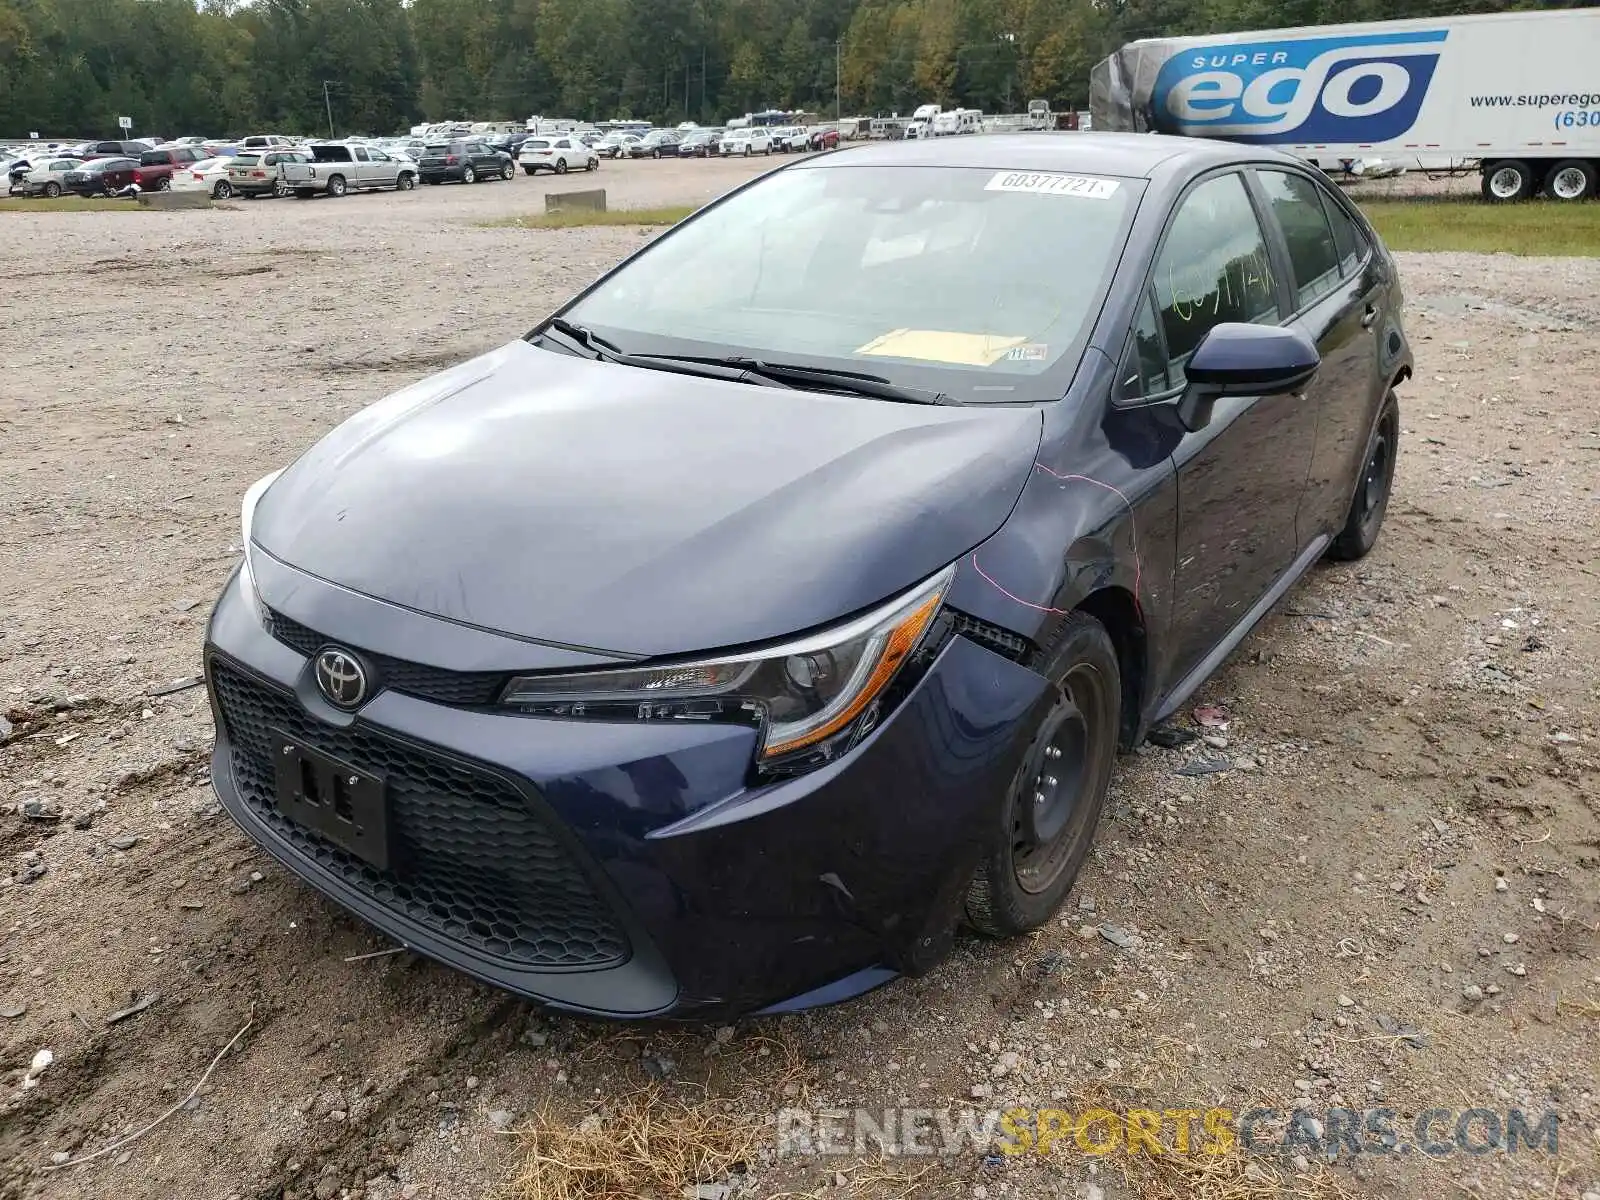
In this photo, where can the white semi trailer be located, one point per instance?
(1515, 94)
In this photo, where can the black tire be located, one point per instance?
(468, 175)
(1508, 181)
(52, 190)
(404, 181)
(280, 189)
(530, 170)
(1045, 823)
(303, 194)
(508, 172)
(336, 186)
(561, 165)
(1373, 486)
(1571, 179)
(747, 150)
(222, 191)
(592, 164)
(164, 184)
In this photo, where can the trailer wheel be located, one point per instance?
(1571, 179)
(1507, 181)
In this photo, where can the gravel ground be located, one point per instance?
(1391, 898)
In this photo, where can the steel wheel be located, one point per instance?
(1571, 180)
(1508, 181)
(1373, 488)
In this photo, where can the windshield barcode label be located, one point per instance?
(1054, 185)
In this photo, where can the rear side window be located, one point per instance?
(1298, 208)
(1348, 237)
(1213, 268)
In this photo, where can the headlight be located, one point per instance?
(812, 698)
(247, 513)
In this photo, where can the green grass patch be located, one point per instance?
(65, 204)
(573, 218)
(1539, 227)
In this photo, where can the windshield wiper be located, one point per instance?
(855, 383)
(707, 368)
(585, 337)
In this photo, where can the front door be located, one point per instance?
(1241, 476)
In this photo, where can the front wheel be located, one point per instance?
(592, 165)
(1045, 823)
(468, 175)
(1371, 501)
(1508, 181)
(405, 181)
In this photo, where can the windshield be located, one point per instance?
(968, 281)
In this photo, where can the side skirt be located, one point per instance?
(1202, 671)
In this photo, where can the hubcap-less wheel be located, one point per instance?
(1047, 821)
(1507, 183)
(1568, 184)
(1375, 480)
(1373, 488)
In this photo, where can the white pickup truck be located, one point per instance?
(337, 168)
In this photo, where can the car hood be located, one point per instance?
(641, 512)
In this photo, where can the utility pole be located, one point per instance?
(328, 104)
(838, 115)
(702, 81)
(685, 91)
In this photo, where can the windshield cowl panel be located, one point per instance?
(978, 284)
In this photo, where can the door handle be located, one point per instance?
(1368, 317)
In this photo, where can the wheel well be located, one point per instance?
(1118, 611)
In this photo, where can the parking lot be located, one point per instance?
(1326, 918)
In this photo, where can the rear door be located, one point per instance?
(1339, 290)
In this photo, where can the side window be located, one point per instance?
(1214, 268)
(1312, 253)
(1348, 237)
(358, 153)
(1144, 366)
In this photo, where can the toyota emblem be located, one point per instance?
(341, 677)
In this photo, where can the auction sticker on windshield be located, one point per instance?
(1052, 184)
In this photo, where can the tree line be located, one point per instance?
(70, 68)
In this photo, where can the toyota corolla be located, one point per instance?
(779, 606)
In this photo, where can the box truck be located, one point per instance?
(1516, 95)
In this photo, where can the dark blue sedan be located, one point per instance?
(781, 604)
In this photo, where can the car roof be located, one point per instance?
(1131, 155)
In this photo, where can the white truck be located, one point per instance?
(1516, 94)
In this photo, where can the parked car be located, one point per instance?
(125, 148)
(951, 570)
(745, 141)
(658, 143)
(44, 177)
(207, 175)
(467, 159)
(101, 176)
(824, 139)
(700, 143)
(557, 155)
(615, 145)
(341, 168)
(787, 138)
(254, 173)
(156, 166)
(266, 141)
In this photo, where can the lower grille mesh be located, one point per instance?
(473, 862)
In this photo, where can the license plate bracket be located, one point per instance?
(344, 804)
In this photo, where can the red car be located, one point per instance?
(825, 139)
(156, 167)
(102, 177)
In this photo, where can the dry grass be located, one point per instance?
(646, 1145)
(573, 218)
(67, 204)
(1231, 1176)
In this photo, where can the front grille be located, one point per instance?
(414, 679)
(473, 861)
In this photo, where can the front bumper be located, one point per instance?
(627, 870)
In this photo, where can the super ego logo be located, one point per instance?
(1363, 88)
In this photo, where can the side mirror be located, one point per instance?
(1235, 359)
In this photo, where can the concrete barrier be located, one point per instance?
(593, 200)
(185, 199)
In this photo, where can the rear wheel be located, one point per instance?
(1045, 824)
(164, 184)
(468, 175)
(561, 166)
(280, 189)
(529, 171)
(303, 193)
(222, 191)
(1572, 179)
(336, 185)
(1371, 501)
(1507, 181)
(52, 189)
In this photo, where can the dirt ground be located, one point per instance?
(1392, 899)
